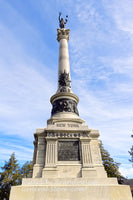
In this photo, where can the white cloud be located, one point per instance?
(126, 170)
(21, 153)
(123, 15)
(26, 86)
(119, 65)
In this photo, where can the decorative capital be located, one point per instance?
(63, 34)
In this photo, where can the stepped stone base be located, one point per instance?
(70, 189)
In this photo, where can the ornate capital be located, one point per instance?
(63, 34)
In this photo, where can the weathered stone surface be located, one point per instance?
(69, 181)
(71, 192)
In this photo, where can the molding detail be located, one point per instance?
(64, 105)
(64, 94)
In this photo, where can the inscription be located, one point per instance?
(67, 135)
(51, 189)
(73, 125)
(69, 125)
(60, 125)
(68, 151)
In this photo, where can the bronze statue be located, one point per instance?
(61, 21)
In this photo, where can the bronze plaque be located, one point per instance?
(68, 150)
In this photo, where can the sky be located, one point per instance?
(101, 62)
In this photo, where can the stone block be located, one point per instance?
(71, 192)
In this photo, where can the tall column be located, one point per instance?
(64, 102)
(64, 65)
(64, 80)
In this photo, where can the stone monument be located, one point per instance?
(67, 163)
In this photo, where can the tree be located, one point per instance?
(26, 169)
(10, 176)
(131, 153)
(111, 167)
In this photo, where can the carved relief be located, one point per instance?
(64, 89)
(64, 80)
(66, 105)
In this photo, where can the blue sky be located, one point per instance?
(101, 61)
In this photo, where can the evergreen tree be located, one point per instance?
(111, 167)
(131, 153)
(10, 176)
(26, 169)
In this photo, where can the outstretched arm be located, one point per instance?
(66, 19)
(59, 16)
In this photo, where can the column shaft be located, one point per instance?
(63, 58)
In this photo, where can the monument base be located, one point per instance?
(70, 189)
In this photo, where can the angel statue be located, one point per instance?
(61, 21)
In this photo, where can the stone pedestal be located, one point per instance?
(70, 189)
(68, 166)
(68, 149)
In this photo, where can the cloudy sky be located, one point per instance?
(101, 61)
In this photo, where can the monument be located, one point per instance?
(67, 163)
